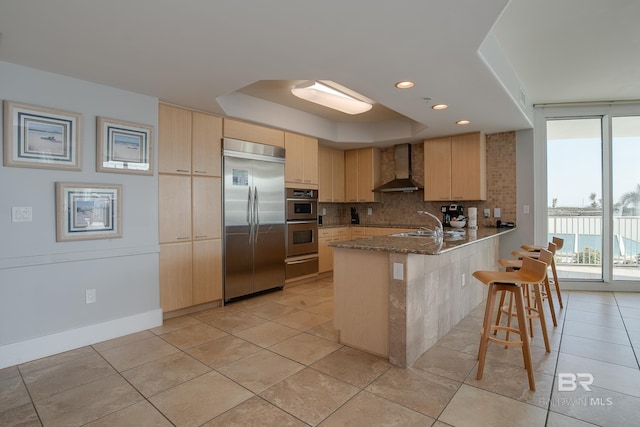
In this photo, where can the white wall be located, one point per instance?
(525, 177)
(43, 282)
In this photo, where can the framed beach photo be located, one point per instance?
(40, 137)
(88, 211)
(124, 147)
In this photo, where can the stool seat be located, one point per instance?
(521, 276)
(532, 248)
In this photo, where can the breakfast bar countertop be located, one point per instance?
(453, 239)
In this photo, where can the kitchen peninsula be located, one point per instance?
(395, 296)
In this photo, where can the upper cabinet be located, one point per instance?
(330, 174)
(188, 142)
(174, 140)
(254, 133)
(455, 168)
(301, 166)
(362, 174)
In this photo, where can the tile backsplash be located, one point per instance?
(401, 208)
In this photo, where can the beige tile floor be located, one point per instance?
(273, 360)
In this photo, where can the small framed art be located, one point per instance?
(124, 147)
(88, 211)
(40, 137)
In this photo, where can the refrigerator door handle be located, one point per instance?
(250, 214)
(256, 209)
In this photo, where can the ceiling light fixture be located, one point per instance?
(405, 84)
(324, 95)
(463, 122)
(440, 107)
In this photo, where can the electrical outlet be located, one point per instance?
(90, 296)
(525, 209)
(324, 211)
(369, 211)
(487, 213)
(398, 271)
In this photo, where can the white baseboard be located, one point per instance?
(36, 348)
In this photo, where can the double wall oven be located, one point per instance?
(302, 233)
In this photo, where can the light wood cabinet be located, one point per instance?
(174, 204)
(207, 207)
(301, 165)
(362, 174)
(325, 252)
(331, 180)
(207, 270)
(176, 290)
(188, 142)
(174, 140)
(455, 168)
(206, 144)
(190, 208)
(254, 133)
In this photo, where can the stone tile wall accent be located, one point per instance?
(400, 208)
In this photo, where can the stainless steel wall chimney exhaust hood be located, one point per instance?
(403, 181)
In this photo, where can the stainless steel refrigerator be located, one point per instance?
(254, 217)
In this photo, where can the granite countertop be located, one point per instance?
(421, 245)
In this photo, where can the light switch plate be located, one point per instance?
(496, 212)
(21, 214)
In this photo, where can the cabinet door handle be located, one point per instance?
(184, 238)
(182, 170)
(204, 236)
(199, 171)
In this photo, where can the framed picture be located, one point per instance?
(88, 211)
(40, 137)
(124, 147)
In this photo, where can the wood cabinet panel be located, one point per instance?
(437, 169)
(253, 133)
(174, 139)
(351, 175)
(455, 168)
(207, 271)
(331, 179)
(174, 203)
(175, 276)
(468, 167)
(207, 207)
(206, 144)
(301, 166)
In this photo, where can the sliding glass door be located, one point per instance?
(574, 193)
(592, 158)
(626, 197)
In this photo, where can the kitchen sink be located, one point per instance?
(417, 233)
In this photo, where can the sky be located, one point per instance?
(574, 169)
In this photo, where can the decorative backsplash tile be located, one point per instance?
(401, 208)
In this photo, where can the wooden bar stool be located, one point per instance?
(531, 272)
(544, 255)
(558, 245)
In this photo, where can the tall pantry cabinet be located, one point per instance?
(190, 212)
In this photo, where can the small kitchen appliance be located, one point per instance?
(355, 218)
(449, 212)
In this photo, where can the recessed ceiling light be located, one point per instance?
(405, 85)
(463, 122)
(440, 106)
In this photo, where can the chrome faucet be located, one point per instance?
(439, 229)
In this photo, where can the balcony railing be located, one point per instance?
(582, 236)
